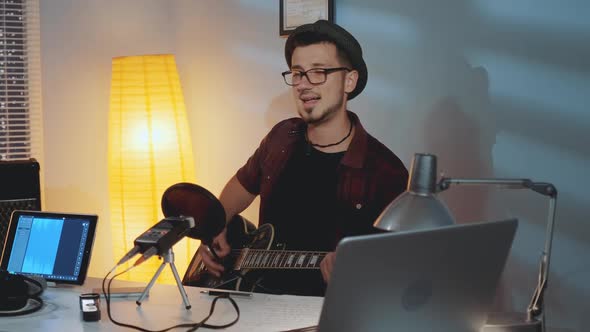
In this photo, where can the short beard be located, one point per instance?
(329, 113)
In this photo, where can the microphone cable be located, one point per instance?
(106, 290)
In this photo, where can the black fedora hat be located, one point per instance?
(323, 30)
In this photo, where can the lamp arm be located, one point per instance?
(535, 307)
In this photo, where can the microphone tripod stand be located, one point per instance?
(168, 258)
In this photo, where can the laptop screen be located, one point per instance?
(55, 246)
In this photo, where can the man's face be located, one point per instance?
(317, 103)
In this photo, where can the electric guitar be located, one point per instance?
(253, 251)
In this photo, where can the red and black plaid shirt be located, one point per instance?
(370, 176)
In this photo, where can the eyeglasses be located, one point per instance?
(314, 75)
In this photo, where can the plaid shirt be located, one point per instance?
(370, 176)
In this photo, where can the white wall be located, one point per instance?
(494, 88)
(230, 59)
(78, 41)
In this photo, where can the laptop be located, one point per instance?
(442, 279)
(50, 245)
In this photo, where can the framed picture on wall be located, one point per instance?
(294, 13)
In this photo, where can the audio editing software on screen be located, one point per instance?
(49, 247)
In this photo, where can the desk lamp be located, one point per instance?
(419, 208)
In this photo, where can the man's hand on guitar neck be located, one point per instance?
(327, 265)
(221, 248)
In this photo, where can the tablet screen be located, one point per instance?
(55, 246)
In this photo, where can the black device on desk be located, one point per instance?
(90, 306)
(20, 190)
(19, 295)
(54, 246)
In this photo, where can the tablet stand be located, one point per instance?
(168, 258)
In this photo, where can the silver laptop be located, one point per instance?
(433, 280)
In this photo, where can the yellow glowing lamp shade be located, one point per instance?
(149, 150)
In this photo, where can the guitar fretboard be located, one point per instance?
(278, 259)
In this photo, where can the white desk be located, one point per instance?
(164, 308)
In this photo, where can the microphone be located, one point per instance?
(146, 255)
(162, 236)
(191, 211)
(129, 255)
(297, 132)
(159, 238)
(301, 131)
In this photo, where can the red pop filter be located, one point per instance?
(191, 200)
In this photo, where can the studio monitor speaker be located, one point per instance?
(19, 190)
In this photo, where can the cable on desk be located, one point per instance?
(192, 326)
(217, 327)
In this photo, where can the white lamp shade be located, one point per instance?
(149, 150)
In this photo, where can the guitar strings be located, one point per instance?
(279, 251)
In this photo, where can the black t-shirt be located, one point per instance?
(306, 216)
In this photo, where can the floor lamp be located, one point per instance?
(149, 149)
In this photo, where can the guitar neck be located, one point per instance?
(279, 259)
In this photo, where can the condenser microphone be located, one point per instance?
(134, 251)
(297, 132)
(301, 132)
(159, 238)
(164, 234)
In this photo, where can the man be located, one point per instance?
(320, 177)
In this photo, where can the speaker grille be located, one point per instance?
(19, 190)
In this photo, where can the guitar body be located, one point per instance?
(241, 234)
